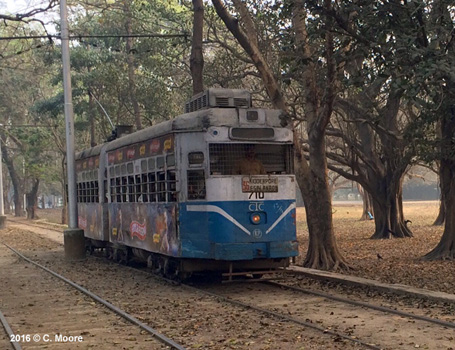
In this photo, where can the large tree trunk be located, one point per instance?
(197, 58)
(322, 252)
(388, 210)
(312, 177)
(440, 219)
(446, 247)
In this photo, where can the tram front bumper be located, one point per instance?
(250, 251)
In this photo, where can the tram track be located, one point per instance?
(307, 323)
(364, 304)
(312, 324)
(9, 333)
(271, 314)
(277, 315)
(339, 318)
(169, 343)
(272, 311)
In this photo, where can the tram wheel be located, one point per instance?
(155, 264)
(108, 253)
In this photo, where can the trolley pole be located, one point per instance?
(73, 237)
(2, 207)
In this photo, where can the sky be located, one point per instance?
(19, 6)
(23, 6)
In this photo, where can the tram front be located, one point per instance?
(240, 202)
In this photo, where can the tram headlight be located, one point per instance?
(255, 218)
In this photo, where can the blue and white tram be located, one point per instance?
(212, 189)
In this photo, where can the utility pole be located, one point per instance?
(73, 237)
(2, 207)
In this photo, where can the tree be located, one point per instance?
(197, 58)
(441, 83)
(380, 107)
(446, 247)
(311, 176)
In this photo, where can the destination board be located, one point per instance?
(259, 184)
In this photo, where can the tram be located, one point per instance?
(210, 190)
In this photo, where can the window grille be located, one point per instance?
(152, 186)
(196, 184)
(225, 158)
(148, 185)
(161, 186)
(171, 186)
(87, 192)
(131, 189)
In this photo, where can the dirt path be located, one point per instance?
(50, 233)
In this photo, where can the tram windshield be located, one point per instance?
(250, 159)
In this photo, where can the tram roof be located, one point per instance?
(194, 121)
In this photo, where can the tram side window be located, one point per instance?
(124, 189)
(87, 192)
(155, 182)
(105, 192)
(138, 192)
(96, 192)
(79, 192)
(196, 184)
(161, 184)
(171, 186)
(83, 192)
(131, 189)
(112, 187)
(152, 186)
(144, 188)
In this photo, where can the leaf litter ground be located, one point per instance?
(401, 259)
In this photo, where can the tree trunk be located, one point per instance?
(322, 251)
(197, 58)
(442, 207)
(15, 179)
(445, 250)
(32, 200)
(440, 219)
(388, 210)
(367, 201)
(311, 177)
